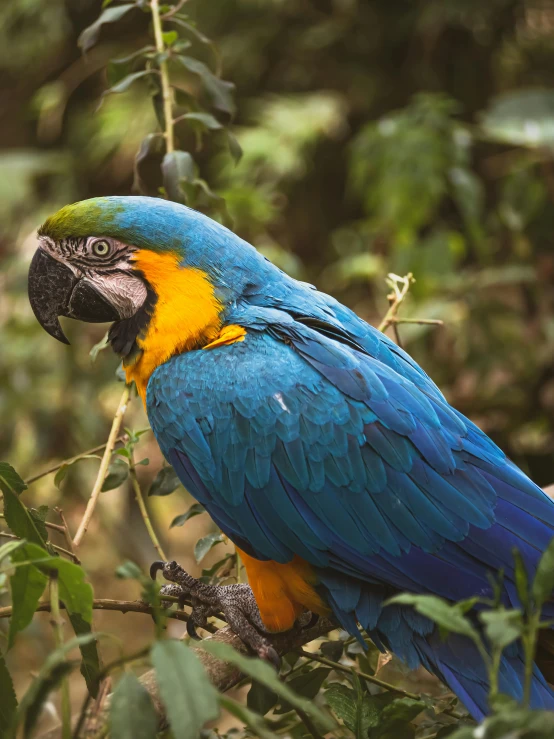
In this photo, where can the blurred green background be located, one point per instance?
(377, 136)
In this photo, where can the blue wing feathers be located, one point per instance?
(355, 462)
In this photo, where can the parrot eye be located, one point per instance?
(101, 248)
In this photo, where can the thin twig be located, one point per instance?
(57, 625)
(175, 9)
(116, 424)
(123, 606)
(65, 528)
(143, 510)
(308, 723)
(167, 94)
(400, 287)
(364, 675)
(420, 321)
(53, 526)
(61, 550)
(56, 467)
(93, 716)
(370, 679)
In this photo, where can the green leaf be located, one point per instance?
(261, 699)
(17, 516)
(90, 659)
(185, 23)
(127, 81)
(248, 717)
(209, 572)
(344, 704)
(165, 482)
(170, 37)
(219, 91)
(10, 478)
(150, 149)
(234, 147)
(8, 702)
(134, 55)
(177, 167)
(307, 684)
(195, 510)
(129, 570)
(61, 474)
(27, 584)
(150, 591)
(9, 547)
(29, 581)
(39, 517)
(203, 545)
(76, 594)
(132, 715)
(521, 579)
(332, 649)
(395, 717)
(185, 690)
(449, 617)
(266, 675)
(206, 119)
(52, 672)
(543, 584)
(118, 472)
(90, 35)
(502, 627)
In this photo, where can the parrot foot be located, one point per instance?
(235, 602)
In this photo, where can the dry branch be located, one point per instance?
(221, 674)
(112, 439)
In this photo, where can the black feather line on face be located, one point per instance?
(123, 334)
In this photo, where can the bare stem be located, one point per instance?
(400, 287)
(364, 675)
(57, 625)
(419, 321)
(65, 528)
(143, 511)
(56, 467)
(53, 526)
(123, 606)
(167, 94)
(116, 425)
(175, 9)
(67, 553)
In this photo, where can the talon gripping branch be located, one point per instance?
(319, 447)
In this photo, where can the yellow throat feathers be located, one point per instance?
(186, 315)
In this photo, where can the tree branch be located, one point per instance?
(107, 604)
(112, 438)
(221, 674)
(57, 466)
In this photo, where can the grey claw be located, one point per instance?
(156, 567)
(313, 620)
(191, 630)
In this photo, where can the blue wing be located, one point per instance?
(308, 440)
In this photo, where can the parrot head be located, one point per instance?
(163, 273)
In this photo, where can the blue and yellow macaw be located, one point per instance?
(321, 449)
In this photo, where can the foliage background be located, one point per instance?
(408, 136)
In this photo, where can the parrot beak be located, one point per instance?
(55, 291)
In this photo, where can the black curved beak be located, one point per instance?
(55, 291)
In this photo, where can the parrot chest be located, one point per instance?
(218, 416)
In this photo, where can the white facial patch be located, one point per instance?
(111, 276)
(125, 292)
